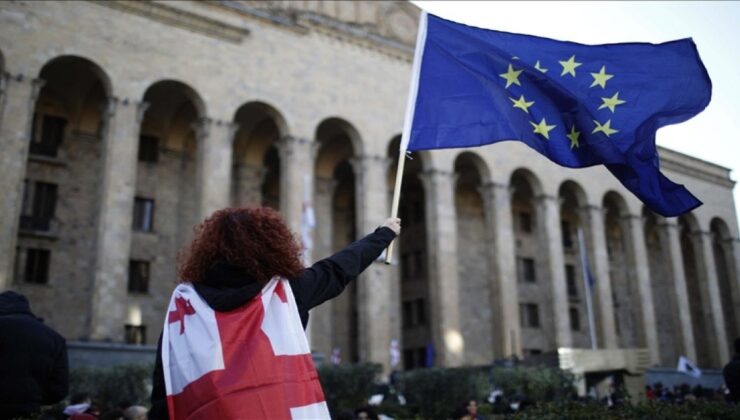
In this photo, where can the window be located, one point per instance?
(421, 312)
(418, 263)
(525, 222)
(408, 314)
(529, 315)
(138, 276)
(526, 270)
(135, 334)
(567, 236)
(46, 142)
(39, 203)
(143, 214)
(405, 267)
(575, 319)
(37, 266)
(148, 149)
(414, 313)
(570, 277)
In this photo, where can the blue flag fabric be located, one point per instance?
(579, 105)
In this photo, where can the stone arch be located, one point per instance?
(171, 128)
(412, 254)
(725, 265)
(474, 258)
(175, 111)
(256, 173)
(572, 201)
(335, 199)
(625, 292)
(76, 89)
(533, 287)
(61, 177)
(335, 129)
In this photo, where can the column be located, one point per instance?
(599, 261)
(118, 186)
(247, 187)
(732, 250)
(377, 287)
(296, 160)
(214, 165)
(19, 99)
(679, 277)
(717, 317)
(549, 219)
(505, 300)
(648, 326)
(444, 280)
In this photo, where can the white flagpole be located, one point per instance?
(421, 37)
(587, 288)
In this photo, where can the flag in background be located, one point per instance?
(688, 367)
(579, 105)
(308, 221)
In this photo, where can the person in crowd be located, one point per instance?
(365, 413)
(236, 252)
(33, 360)
(731, 373)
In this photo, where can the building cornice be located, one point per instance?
(177, 17)
(678, 162)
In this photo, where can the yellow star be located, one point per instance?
(522, 103)
(511, 76)
(601, 77)
(539, 67)
(569, 66)
(573, 136)
(542, 128)
(606, 128)
(612, 102)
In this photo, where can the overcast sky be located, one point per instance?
(713, 135)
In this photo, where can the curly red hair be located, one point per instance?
(255, 239)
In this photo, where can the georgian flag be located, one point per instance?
(250, 363)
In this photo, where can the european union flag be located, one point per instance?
(579, 105)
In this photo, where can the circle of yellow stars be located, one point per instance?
(569, 68)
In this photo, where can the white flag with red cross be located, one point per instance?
(250, 363)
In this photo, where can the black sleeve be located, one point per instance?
(159, 395)
(327, 278)
(58, 386)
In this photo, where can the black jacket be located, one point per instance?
(731, 373)
(33, 360)
(227, 287)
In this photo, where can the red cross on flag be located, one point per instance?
(250, 363)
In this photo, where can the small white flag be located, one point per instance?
(688, 367)
(308, 221)
(395, 354)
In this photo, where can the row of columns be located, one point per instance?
(506, 331)
(122, 123)
(120, 143)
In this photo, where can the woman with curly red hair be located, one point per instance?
(237, 253)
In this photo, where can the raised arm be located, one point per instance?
(327, 278)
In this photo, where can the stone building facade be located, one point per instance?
(122, 124)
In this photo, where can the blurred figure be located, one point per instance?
(365, 413)
(33, 360)
(731, 372)
(135, 412)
